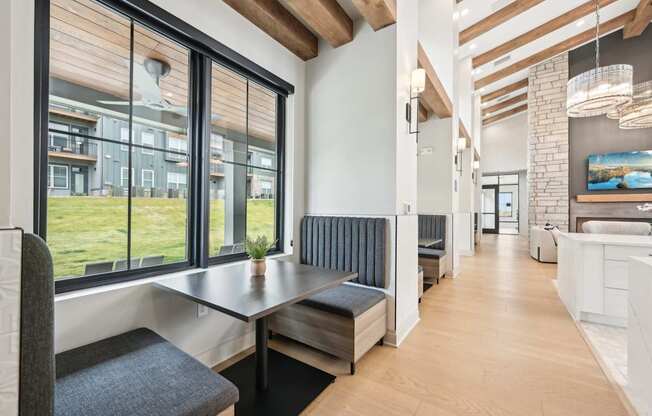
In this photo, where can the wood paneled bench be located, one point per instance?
(346, 321)
(433, 259)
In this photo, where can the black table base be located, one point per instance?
(292, 386)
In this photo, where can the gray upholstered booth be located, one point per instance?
(350, 319)
(135, 373)
(433, 259)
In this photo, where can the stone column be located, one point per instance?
(548, 143)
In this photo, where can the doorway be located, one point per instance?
(500, 204)
(490, 223)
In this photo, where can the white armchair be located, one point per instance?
(543, 244)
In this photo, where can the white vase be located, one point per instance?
(258, 267)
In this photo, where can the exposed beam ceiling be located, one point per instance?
(571, 43)
(504, 104)
(641, 20)
(501, 16)
(540, 31)
(424, 115)
(327, 18)
(504, 115)
(378, 13)
(434, 96)
(463, 132)
(271, 17)
(505, 90)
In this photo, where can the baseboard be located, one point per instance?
(603, 319)
(395, 338)
(226, 350)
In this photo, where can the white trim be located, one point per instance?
(51, 167)
(122, 177)
(142, 178)
(147, 149)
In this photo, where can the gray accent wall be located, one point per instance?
(596, 135)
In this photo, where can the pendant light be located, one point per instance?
(602, 89)
(638, 114)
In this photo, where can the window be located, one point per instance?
(57, 176)
(140, 100)
(148, 178)
(176, 180)
(147, 139)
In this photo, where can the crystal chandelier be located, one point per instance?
(638, 114)
(602, 89)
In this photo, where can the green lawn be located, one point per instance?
(90, 229)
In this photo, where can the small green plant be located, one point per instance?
(258, 248)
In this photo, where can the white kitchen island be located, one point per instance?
(592, 274)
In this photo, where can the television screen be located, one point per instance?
(626, 170)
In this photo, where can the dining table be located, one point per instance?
(232, 290)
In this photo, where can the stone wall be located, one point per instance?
(548, 143)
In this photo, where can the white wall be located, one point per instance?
(351, 126)
(437, 35)
(5, 114)
(504, 145)
(435, 167)
(82, 319)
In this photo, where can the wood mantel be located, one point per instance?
(615, 198)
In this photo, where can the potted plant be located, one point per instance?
(257, 250)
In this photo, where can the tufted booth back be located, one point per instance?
(433, 226)
(346, 244)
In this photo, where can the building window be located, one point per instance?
(140, 100)
(147, 139)
(57, 176)
(266, 162)
(148, 178)
(176, 180)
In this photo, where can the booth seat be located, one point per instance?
(135, 373)
(346, 321)
(433, 259)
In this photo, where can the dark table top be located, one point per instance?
(428, 242)
(233, 291)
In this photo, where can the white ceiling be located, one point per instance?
(476, 10)
(347, 5)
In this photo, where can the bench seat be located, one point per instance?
(138, 373)
(345, 300)
(431, 253)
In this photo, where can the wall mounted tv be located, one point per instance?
(626, 170)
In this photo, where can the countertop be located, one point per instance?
(611, 239)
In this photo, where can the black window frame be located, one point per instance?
(203, 51)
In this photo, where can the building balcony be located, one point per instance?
(81, 152)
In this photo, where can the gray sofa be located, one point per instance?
(348, 320)
(135, 373)
(433, 259)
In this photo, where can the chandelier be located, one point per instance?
(602, 89)
(638, 114)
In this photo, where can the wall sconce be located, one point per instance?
(476, 164)
(474, 175)
(417, 86)
(460, 144)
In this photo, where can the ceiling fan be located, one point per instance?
(147, 77)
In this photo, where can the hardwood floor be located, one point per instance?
(495, 341)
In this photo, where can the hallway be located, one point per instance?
(495, 341)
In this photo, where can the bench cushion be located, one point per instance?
(345, 300)
(137, 373)
(431, 253)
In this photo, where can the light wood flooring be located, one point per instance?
(495, 341)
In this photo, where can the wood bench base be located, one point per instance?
(345, 338)
(432, 268)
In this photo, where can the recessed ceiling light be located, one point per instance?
(579, 23)
(169, 94)
(464, 12)
(482, 89)
(473, 46)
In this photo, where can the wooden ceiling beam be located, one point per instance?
(504, 104)
(378, 13)
(568, 44)
(463, 132)
(539, 31)
(504, 115)
(274, 19)
(501, 16)
(641, 20)
(424, 115)
(327, 18)
(505, 90)
(435, 94)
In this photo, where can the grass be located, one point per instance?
(90, 229)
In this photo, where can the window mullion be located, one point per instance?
(130, 143)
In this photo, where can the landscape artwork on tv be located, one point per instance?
(627, 170)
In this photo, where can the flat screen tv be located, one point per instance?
(626, 170)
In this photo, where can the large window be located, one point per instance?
(124, 162)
